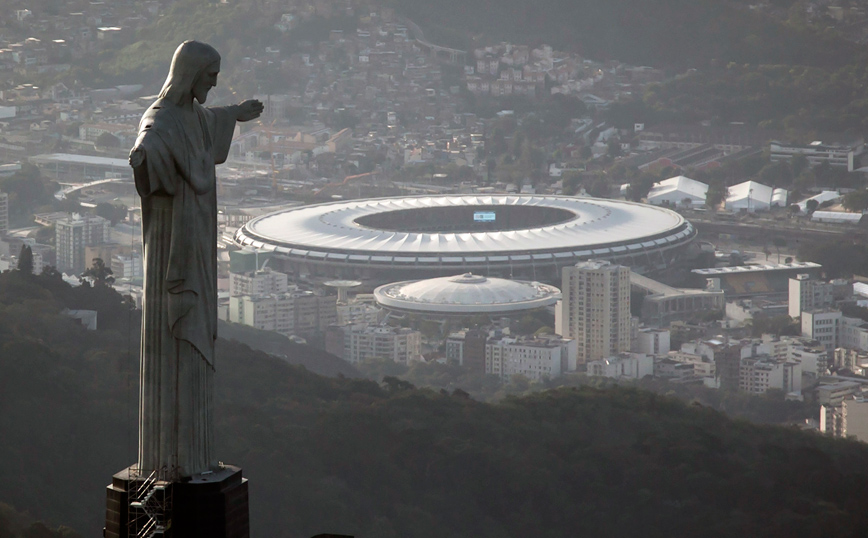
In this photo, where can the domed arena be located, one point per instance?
(514, 236)
(466, 294)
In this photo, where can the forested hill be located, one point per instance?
(14, 524)
(675, 34)
(388, 460)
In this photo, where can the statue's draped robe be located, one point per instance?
(177, 185)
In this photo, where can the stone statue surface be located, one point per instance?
(179, 143)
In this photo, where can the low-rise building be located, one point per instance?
(850, 359)
(652, 341)
(668, 368)
(812, 355)
(758, 374)
(258, 283)
(532, 357)
(853, 333)
(702, 365)
(806, 293)
(355, 312)
(837, 155)
(663, 304)
(127, 266)
(832, 394)
(855, 419)
(849, 418)
(294, 313)
(822, 325)
(467, 348)
(356, 343)
(623, 366)
(264, 312)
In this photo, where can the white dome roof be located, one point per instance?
(466, 294)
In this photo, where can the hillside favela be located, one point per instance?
(433, 268)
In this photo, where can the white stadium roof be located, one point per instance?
(333, 226)
(466, 294)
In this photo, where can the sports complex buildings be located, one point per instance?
(513, 236)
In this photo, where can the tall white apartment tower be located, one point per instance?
(807, 294)
(595, 309)
(74, 233)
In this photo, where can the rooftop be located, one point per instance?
(580, 223)
(756, 268)
(466, 294)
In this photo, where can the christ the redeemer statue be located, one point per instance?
(178, 146)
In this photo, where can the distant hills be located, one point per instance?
(673, 34)
(376, 460)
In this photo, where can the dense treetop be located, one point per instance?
(386, 460)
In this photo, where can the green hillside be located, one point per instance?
(388, 460)
(665, 33)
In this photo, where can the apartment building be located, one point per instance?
(356, 343)
(256, 283)
(72, 235)
(532, 357)
(759, 373)
(623, 366)
(291, 313)
(808, 294)
(595, 309)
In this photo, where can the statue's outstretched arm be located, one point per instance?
(248, 110)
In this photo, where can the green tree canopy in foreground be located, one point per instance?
(358, 457)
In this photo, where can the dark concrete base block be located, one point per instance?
(208, 505)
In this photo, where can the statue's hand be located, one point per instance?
(137, 156)
(249, 110)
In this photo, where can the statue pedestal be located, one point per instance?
(209, 505)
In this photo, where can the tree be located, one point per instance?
(111, 212)
(715, 195)
(799, 163)
(838, 258)
(28, 191)
(597, 187)
(811, 206)
(108, 140)
(778, 242)
(25, 260)
(856, 201)
(640, 187)
(776, 174)
(99, 273)
(570, 182)
(777, 325)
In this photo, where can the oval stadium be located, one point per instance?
(513, 236)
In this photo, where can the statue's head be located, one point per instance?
(194, 70)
